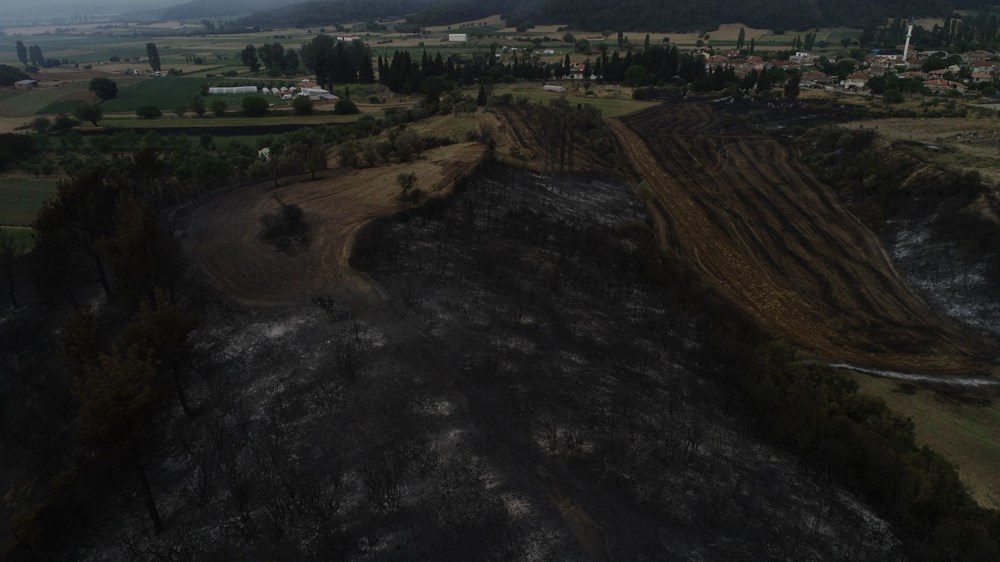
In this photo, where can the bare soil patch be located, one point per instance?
(223, 234)
(770, 236)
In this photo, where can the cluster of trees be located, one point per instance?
(9, 75)
(32, 57)
(338, 62)
(274, 57)
(957, 33)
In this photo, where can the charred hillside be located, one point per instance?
(941, 226)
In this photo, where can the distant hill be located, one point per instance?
(197, 9)
(591, 15)
(684, 15)
(325, 12)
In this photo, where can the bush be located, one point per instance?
(64, 122)
(254, 105)
(219, 107)
(104, 88)
(148, 111)
(41, 124)
(302, 105)
(892, 95)
(345, 107)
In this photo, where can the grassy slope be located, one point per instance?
(24, 238)
(966, 434)
(20, 199)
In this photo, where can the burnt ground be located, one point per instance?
(586, 380)
(532, 386)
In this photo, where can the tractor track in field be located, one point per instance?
(770, 236)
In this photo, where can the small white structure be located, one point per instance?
(803, 58)
(549, 52)
(553, 88)
(458, 37)
(233, 90)
(265, 91)
(318, 94)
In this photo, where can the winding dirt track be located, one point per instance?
(771, 237)
(223, 233)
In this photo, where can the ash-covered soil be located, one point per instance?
(584, 377)
(536, 384)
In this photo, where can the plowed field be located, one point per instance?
(224, 234)
(775, 240)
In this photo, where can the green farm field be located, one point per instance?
(23, 237)
(965, 433)
(165, 93)
(21, 197)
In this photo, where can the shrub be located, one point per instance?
(254, 105)
(148, 111)
(104, 88)
(219, 107)
(302, 105)
(345, 107)
(41, 124)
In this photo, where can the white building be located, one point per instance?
(233, 90)
(458, 37)
(803, 58)
(553, 88)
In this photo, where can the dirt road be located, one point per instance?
(775, 240)
(223, 234)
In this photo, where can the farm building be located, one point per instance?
(25, 84)
(553, 88)
(458, 37)
(319, 94)
(233, 90)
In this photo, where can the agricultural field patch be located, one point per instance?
(748, 214)
(962, 430)
(23, 103)
(20, 199)
(165, 93)
(23, 237)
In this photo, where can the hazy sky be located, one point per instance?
(48, 8)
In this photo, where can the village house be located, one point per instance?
(25, 84)
(980, 77)
(803, 58)
(945, 86)
(855, 81)
(978, 56)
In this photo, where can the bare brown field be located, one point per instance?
(224, 242)
(751, 217)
